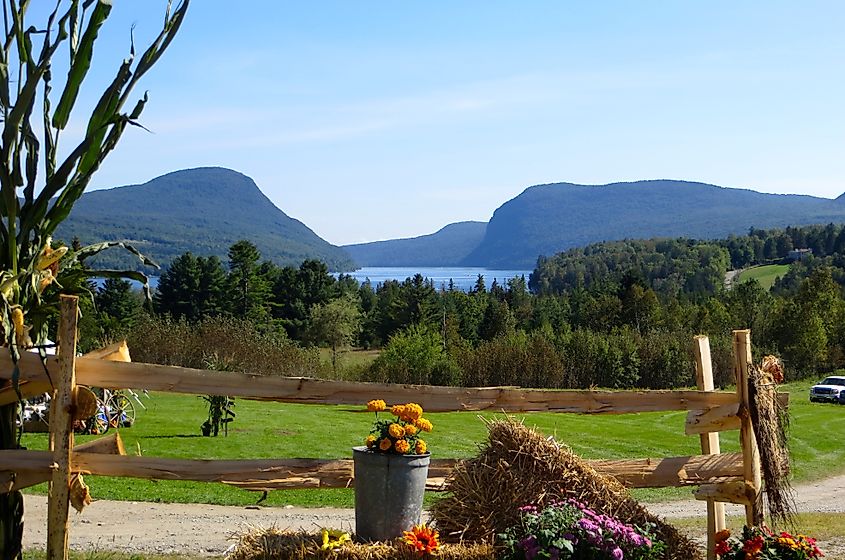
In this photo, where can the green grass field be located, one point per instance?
(766, 275)
(170, 427)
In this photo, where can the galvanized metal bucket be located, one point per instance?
(389, 492)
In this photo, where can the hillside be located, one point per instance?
(446, 247)
(547, 219)
(202, 210)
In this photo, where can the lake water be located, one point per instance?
(463, 277)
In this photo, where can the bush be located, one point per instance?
(527, 360)
(232, 344)
(414, 355)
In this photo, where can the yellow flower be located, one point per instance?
(420, 448)
(411, 430)
(412, 412)
(333, 539)
(370, 441)
(376, 405)
(396, 431)
(385, 444)
(398, 410)
(424, 425)
(402, 446)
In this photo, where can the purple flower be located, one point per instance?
(617, 553)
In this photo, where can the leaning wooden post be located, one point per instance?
(709, 441)
(750, 453)
(61, 432)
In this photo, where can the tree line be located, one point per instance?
(625, 317)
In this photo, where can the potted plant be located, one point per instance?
(390, 473)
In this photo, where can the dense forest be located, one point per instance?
(618, 315)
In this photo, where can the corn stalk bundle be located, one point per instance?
(770, 420)
(518, 466)
(41, 177)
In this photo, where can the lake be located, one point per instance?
(463, 277)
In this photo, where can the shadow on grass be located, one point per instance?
(175, 436)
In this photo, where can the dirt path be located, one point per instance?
(207, 530)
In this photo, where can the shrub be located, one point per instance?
(232, 344)
(527, 360)
(414, 355)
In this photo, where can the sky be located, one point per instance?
(377, 120)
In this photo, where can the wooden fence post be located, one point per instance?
(709, 441)
(61, 432)
(750, 453)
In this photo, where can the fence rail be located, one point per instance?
(96, 372)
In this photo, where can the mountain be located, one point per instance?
(203, 211)
(547, 219)
(446, 247)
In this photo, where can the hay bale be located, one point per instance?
(519, 466)
(273, 544)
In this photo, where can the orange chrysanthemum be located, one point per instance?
(424, 425)
(402, 446)
(723, 535)
(420, 448)
(376, 405)
(397, 410)
(385, 444)
(370, 441)
(396, 431)
(422, 539)
(411, 430)
(412, 412)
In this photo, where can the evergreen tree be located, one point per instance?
(118, 307)
(249, 290)
(177, 288)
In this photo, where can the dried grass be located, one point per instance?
(518, 466)
(273, 544)
(770, 421)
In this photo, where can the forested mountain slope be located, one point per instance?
(202, 210)
(547, 219)
(446, 247)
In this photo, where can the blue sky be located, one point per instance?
(376, 120)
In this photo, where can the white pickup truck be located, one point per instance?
(828, 390)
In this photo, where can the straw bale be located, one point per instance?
(518, 466)
(274, 544)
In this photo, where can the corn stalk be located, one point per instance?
(38, 187)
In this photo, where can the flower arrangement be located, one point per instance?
(400, 435)
(422, 539)
(763, 544)
(570, 530)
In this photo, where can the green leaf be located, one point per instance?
(80, 64)
(91, 250)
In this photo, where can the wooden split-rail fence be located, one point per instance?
(720, 477)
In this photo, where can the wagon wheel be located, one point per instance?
(121, 411)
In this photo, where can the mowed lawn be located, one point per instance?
(766, 275)
(170, 427)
